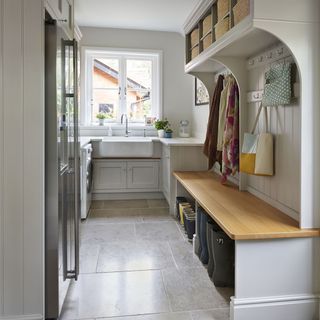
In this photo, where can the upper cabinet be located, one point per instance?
(62, 11)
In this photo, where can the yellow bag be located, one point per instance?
(257, 151)
(247, 162)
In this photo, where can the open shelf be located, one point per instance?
(243, 40)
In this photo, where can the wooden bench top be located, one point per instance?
(240, 214)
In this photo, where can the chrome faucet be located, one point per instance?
(127, 131)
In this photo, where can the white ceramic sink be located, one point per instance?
(123, 147)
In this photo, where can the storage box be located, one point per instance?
(207, 24)
(222, 8)
(241, 10)
(221, 28)
(194, 37)
(207, 41)
(194, 52)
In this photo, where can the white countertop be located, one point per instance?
(174, 142)
(181, 142)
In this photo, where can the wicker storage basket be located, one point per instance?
(241, 10)
(194, 37)
(223, 8)
(207, 24)
(207, 41)
(194, 52)
(221, 28)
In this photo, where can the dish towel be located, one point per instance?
(210, 144)
(230, 152)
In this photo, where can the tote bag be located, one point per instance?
(277, 88)
(257, 150)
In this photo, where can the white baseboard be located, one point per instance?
(23, 317)
(127, 196)
(293, 307)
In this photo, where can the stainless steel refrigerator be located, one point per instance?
(62, 202)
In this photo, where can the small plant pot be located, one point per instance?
(168, 134)
(161, 133)
(101, 122)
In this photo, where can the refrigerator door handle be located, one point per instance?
(77, 160)
(72, 272)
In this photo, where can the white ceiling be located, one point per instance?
(160, 15)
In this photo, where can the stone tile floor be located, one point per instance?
(136, 264)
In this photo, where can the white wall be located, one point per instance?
(200, 115)
(285, 124)
(177, 86)
(21, 159)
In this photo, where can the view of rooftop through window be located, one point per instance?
(121, 85)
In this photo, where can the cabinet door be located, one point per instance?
(143, 175)
(55, 8)
(109, 175)
(67, 16)
(166, 171)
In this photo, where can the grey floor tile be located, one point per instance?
(117, 215)
(217, 314)
(183, 255)
(157, 203)
(116, 294)
(105, 233)
(158, 231)
(163, 316)
(191, 289)
(131, 256)
(112, 204)
(89, 254)
(156, 214)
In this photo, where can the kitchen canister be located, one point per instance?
(184, 129)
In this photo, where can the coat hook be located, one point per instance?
(260, 59)
(251, 62)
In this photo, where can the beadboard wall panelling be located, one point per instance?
(33, 138)
(13, 158)
(21, 158)
(1, 159)
(284, 122)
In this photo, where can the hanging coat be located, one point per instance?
(230, 152)
(210, 144)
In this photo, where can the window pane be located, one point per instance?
(138, 104)
(105, 101)
(105, 73)
(139, 74)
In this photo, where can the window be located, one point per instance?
(121, 82)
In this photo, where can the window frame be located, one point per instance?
(87, 54)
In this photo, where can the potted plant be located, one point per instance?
(161, 125)
(168, 133)
(101, 116)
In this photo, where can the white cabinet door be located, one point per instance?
(109, 175)
(166, 172)
(62, 10)
(143, 175)
(67, 16)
